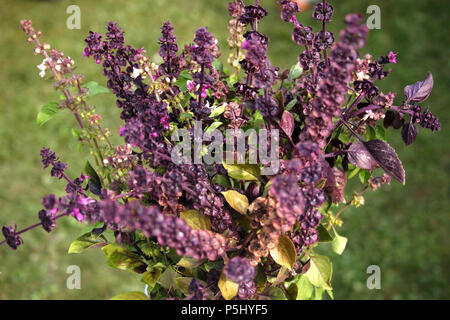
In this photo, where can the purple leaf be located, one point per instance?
(287, 123)
(409, 133)
(387, 158)
(359, 156)
(420, 90)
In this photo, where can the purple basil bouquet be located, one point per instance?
(201, 221)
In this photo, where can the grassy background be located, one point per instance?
(404, 230)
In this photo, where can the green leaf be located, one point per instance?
(218, 65)
(133, 295)
(338, 244)
(87, 240)
(151, 277)
(284, 252)
(95, 88)
(291, 291)
(364, 176)
(185, 75)
(189, 262)
(213, 127)
(232, 80)
(236, 200)
(217, 111)
(380, 132)
(47, 112)
(186, 115)
(121, 258)
(295, 72)
(353, 173)
(221, 180)
(371, 133)
(256, 120)
(196, 220)
(304, 288)
(320, 271)
(182, 283)
(243, 171)
(228, 288)
(280, 98)
(76, 134)
(324, 235)
(318, 294)
(344, 136)
(182, 80)
(273, 293)
(291, 104)
(330, 293)
(167, 279)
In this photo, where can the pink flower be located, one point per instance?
(85, 201)
(164, 121)
(121, 131)
(392, 57)
(245, 44)
(77, 215)
(190, 85)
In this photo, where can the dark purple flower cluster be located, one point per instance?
(252, 15)
(196, 290)
(261, 74)
(288, 9)
(425, 119)
(11, 236)
(167, 229)
(168, 51)
(49, 158)
(204, 51)
(146, 117)
(247, 290)
(239, 270)
(332, 88)
(323, 12)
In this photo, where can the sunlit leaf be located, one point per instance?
(236, 200)
(243, 171)
(133, 295)
(88, 240)
(47, 112)
(284, 252)
(228, 288)
(320, 271)
(338, 244)
(95, 88)
(196, 220)
(121, 258)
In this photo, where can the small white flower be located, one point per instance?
(136, 73)
(361, 75)
(42, 67)
(370, 114)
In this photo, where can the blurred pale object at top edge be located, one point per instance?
(305, 4)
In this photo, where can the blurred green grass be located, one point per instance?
(404, 230)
